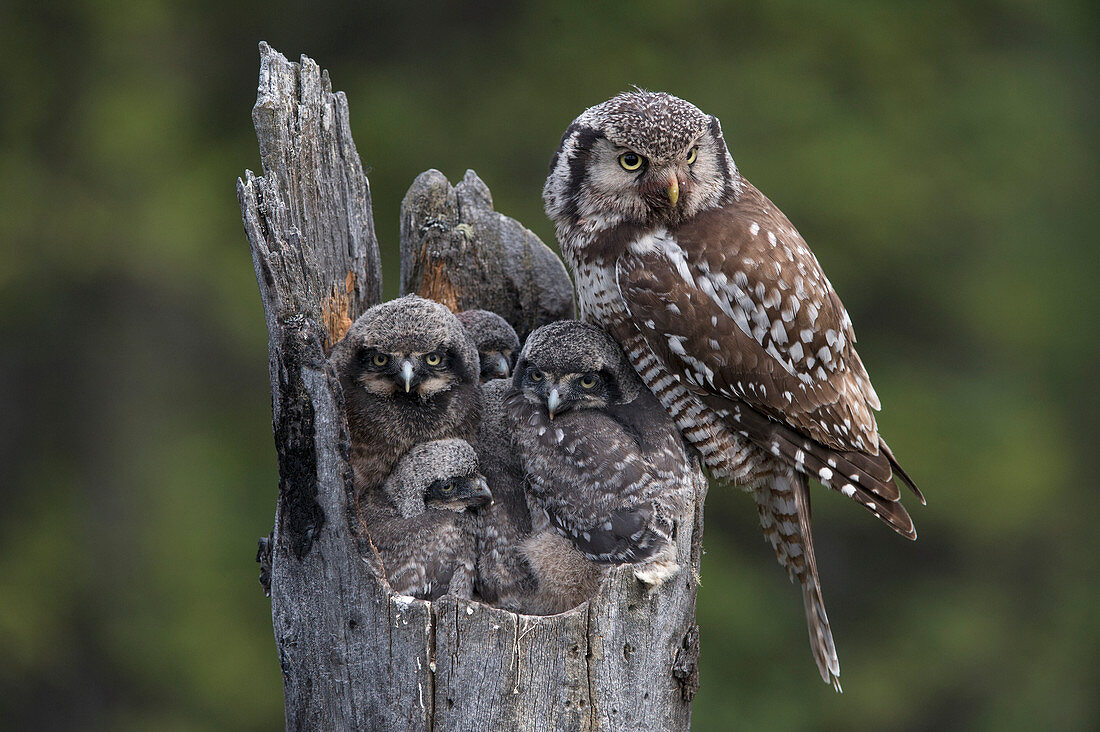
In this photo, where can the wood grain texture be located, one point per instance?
(354, 656)
(457, 250)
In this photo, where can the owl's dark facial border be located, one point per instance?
(590, 390)
(589, 188)
(420, 375)
(574, 389)
(721, 151)
(449, 372)
(578, 167)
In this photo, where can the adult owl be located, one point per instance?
(496, 341)
(422, 521)
(602, 458)
(409, 374)
(726, 315)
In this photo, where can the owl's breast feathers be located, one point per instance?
(736, 306)
(602, 475)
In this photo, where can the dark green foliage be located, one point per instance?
(940, 158)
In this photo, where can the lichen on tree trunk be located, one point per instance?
(353, 655)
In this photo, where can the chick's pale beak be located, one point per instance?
(502, 367)
(482, 495)
(407, 374)
(553, 402)
(673, 188)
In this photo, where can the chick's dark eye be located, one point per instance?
(380, 359)
(535, 375)
(631, 161)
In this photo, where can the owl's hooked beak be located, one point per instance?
(553, 401)
(673, 188)
(407, 374)
(482, 496)
(495, 365)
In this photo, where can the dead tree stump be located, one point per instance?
(352, 655)
(455, 249)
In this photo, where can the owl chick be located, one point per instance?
(409, 374)
(603, 459)
(564, 576)
(726, 315)
(422, 522)
(496, 341)
(504, 576)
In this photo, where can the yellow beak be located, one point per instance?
(673, 189)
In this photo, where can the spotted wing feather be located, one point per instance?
(729, 337)
(426, 555)
(736, 339)
(626, 535)
(840, 470)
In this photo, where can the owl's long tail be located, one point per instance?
(783, 500)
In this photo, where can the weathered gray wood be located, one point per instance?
(309, 225)
(622, 661)
(314, 199)
(352, 655)
(455, 249)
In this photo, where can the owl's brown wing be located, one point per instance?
(761, 315)
(737, 308)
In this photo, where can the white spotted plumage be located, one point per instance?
(727, 316)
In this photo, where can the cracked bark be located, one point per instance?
(455, 249)
(352, 655)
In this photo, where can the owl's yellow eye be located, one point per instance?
(536, 375)
(631, 161)
(380, 359)
(588, 381)
(692, 154)
(433, 359)
(448, 487)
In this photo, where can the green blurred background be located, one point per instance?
(940, 158)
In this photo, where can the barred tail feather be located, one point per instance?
(783, 501)
(817, 622)
(821, 637)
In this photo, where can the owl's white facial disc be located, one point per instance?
(677, 165)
